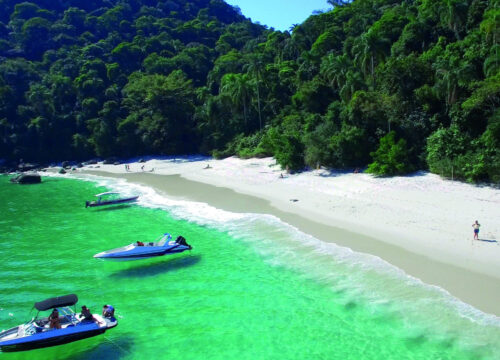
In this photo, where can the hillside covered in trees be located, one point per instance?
(394, 86)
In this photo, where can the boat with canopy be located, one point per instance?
(70, 326)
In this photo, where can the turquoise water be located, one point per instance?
(252, 288)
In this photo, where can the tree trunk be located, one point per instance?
(258, 104)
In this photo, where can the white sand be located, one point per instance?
(422, 213)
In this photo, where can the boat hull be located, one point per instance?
(53, 337)
(139, 255)
(111, 202)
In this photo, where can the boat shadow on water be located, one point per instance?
(156, 268)
(106, 349)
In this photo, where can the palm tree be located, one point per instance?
(448, 80)
(353, 83)
(237, 88)
(256, 67)
(335, 69)
(455, 15)
(492, 63)
(491, 27)
(370, 50)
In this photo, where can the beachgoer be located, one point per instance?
(281, 175)
(54, 320)
(87, 315)
(108, 311)
(476, 227)
(208, 166)
(142, 167)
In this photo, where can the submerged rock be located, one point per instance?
(28, 178)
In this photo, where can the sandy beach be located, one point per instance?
(420, 223)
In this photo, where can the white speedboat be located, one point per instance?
(110, 198)
(142, 250)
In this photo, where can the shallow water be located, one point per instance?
(251, 288)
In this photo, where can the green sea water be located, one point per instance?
(251, 288)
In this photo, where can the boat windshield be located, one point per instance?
(65, 311)
(163, 239)
(107, 193)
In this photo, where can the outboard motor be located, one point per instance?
(182, 241)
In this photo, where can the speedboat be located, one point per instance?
(142, 250)
(38, 333)
(109, 198)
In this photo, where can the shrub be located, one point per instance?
(391, 157)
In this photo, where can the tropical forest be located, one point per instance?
(389, 87)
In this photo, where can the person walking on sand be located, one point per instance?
(476, 227)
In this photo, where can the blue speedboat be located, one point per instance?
(67, 326)
(110, 198)
(142, 250)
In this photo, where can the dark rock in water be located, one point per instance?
(65, 164)
(142, 160)
(116, 163)
(27, 178)
(62, 171)
(79, 165)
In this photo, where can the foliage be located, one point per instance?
(391, 157)
(123, 78)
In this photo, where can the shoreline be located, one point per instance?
(476, 288)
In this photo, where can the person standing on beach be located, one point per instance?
(476, 227)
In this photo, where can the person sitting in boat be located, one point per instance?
(140, 243)
(108, 311)
(54, 320)
(87, 315)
